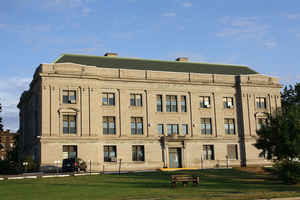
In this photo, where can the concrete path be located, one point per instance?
(291, 198)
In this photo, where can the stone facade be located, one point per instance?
(65, 111)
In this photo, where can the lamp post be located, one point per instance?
(227, 161)
(120, 165)
(25, 164)
(57, 165)
(201, 161)
(90, 161)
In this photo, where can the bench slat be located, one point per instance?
(184, 178)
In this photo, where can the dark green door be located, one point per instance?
(175, 157)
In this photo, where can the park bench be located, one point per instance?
(184, 178)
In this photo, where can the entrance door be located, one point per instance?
(175, 157)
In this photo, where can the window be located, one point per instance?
(69, 124)
(228, 102)
(69, 151)
(172, 129)
(110, 153)
(138, 153)
(159, 106)
(184, 129)
(261, 102)
(208, 152)
(69, 96)
(232, 151)
(109, 125)
(171, 103)
(229, 126)
(260, 123)
(160, 128)
(135, 99)
(183, 103)
(108, 99)
(206, 126)
(205, 102)
(137, 126)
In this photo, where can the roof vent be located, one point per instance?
(182, 59)
(111, 54)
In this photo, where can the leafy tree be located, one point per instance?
(290, 96)
(279, 138)
(1, 125)
(13, 154)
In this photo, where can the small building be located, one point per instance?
(148, 114)
(7, 143)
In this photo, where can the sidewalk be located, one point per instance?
(291, 198)
(44, 175)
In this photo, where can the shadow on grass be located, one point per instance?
(228, 180)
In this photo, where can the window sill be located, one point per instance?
(109, 106)
(204, 108)
(207, 135)
(230, 135)
(138, 162)
(135, 107)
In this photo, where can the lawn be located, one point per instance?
(214, 184)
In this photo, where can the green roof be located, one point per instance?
(155, 65)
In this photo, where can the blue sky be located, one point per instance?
(262, 34)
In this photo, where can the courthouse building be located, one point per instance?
(148, 113)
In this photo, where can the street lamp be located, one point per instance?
(25, 164)
(90, 161)
(57, 163)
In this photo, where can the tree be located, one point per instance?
(1, 125)
(279, 138)
(290, 96)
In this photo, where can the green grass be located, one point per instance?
(214, 184)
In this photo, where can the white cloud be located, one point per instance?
(242, 27)
(2, 26)
(10, 91)
(249, 28)
(270, 44)
(293, 16)
(65, 3)
(86, 11)
(187, 4)
(123, 35)
(169, 14)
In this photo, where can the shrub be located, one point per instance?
(9, 167)
(287, 170)
(82, 164)
(32, 164)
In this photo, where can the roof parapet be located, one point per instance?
(182, 59)
(110, 54)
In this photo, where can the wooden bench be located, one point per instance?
(184, 178)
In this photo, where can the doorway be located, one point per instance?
(175, 158)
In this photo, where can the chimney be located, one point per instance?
(109, 54)
(182, 59)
